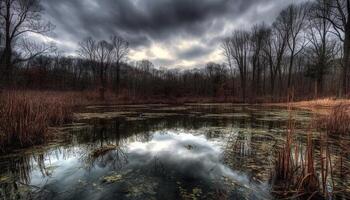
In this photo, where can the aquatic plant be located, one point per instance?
(102, 151)
(295, 171)
(25, 118)
(114, 177)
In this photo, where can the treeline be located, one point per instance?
(306, 43)
(305, 50)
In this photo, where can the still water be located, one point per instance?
(154, 152)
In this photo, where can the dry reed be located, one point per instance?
(338, 121)
(295, 171)
(25, 117)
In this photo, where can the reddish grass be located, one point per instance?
(25, 117)
(294, 173)
(338, 121)
(320, 106)
(337, 126)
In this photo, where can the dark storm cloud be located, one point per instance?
(143, 22)
(135, 19)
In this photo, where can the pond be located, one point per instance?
(156, 152)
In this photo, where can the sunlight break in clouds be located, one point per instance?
(169, 33)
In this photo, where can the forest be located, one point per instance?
(305, 49)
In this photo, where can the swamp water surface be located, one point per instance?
(155, 152)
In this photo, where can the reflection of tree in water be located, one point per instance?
(114, 158)
(110, 136)
(239, 144)
(242, 145)
(119, 132)
(16, 172)
(250, 152)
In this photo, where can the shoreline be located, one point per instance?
(318, 106)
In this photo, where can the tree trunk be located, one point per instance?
(6, 63)
(291, 62)
(102, 89)
(118, 78)
(346, 62)
(243, 86)
(7, 54)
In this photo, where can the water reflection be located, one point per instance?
(177, 157)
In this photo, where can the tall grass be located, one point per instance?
(25, 117)
(337, 126)
(338, 121)
(295, 171)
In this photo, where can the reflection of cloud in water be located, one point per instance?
(187, 155)
(192, 156)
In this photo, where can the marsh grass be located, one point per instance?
(337, 122)
(295, 171)
(337, 126)
(25, 117)
(298, 173)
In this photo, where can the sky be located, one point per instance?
(169, 33)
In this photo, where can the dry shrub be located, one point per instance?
(26, 116)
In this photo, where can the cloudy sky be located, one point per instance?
(170, 33)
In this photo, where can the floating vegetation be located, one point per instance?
(103, 115)
(5, 179)
(102, 151)
(169, 153)
(142, 188)
(193, 194)
(82, 182)
(226, 115)
(112, 178)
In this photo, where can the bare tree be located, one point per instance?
(259, 37)
(19, 17)
(121, 48)
(240, 52)
(293, 21)
(104, 55)
(216, 75)
(339, 17)
(87, 50)
(2, 25)
(29, 49)
(101, 55)
(274, 51)
(226, 48)
(323, 48)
